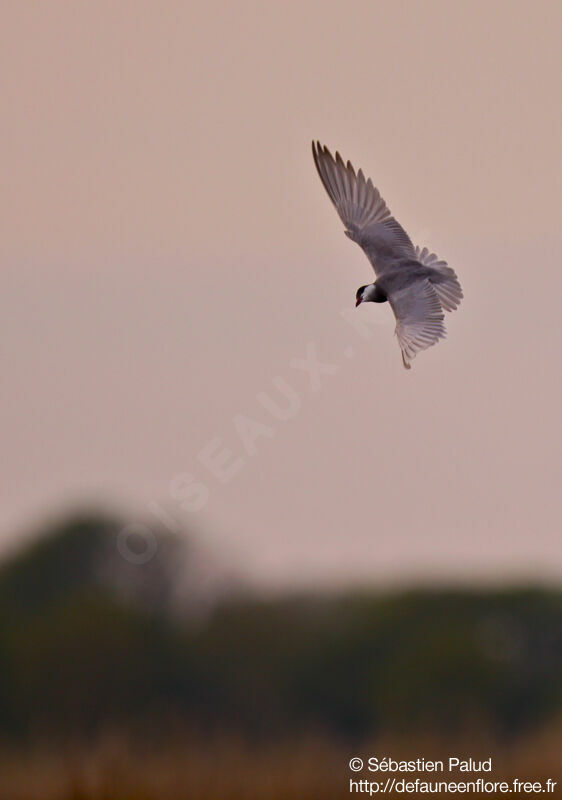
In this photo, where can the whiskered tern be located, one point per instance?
(418, 285)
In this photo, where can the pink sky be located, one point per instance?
(168, 250)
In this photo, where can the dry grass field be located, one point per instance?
(107, 694)
(313, 768)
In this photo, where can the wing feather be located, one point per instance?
(419, 318)
(362, 210)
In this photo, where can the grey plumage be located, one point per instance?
(417, 284)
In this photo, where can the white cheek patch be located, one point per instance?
(369, 292)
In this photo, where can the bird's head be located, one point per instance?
(359, 296)
(365, 294)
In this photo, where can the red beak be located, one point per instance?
(357, 302)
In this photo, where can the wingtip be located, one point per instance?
(317, 150)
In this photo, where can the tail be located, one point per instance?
(445, 281)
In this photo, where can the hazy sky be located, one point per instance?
(168, 251)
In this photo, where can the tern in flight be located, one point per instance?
(416, 283)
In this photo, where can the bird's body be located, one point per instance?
(402, 274)
(416, 283)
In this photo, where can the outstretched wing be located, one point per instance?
(419, 318)
(362, 210)
(446, 283)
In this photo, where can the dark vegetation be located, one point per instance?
(90, 642)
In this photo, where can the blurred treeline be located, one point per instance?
(91, 642)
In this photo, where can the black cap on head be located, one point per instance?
(358, 295)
